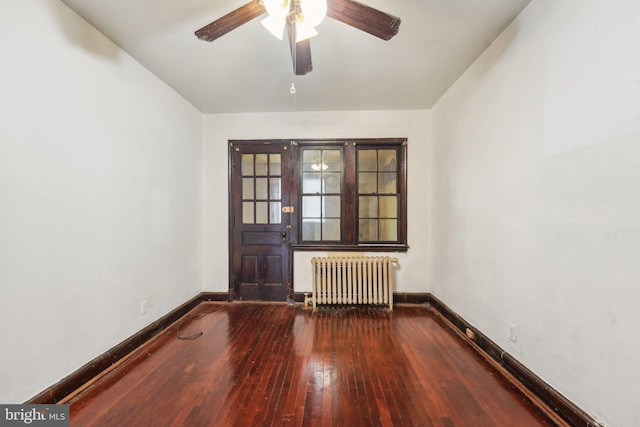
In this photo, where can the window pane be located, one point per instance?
(261, 189)
(310, 229)
(311, 160)
(368, 207)
(247, 164)
(388, 206)
(262, 215)
(388, 230)
(331, 205)
(387, 183)
(275, 209)
(331, 229)
(311, 206)
(311, 182)
(331, 182)
(367, 160)
(247, 212)
(275, 164)
(367, 183)
(331, 160)
(261, 164)
(387, 160)
(274, 188)
(368, 230)
(247, 188)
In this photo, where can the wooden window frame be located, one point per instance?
(349, 198)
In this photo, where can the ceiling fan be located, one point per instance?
(295, 14)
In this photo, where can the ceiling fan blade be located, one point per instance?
(230, 21)
(300, 53)
(364, 18)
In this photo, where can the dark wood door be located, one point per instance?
(260, 220)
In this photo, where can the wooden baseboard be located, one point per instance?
(411, 298)
(67, 385)
(214, 296)
(299, 296)
(550, 397)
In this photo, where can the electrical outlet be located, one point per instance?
(144, 307)
(513, 333)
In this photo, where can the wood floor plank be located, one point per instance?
(276, 365)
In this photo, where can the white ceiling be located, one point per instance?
(249, 70)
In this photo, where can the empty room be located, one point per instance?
(309, 212)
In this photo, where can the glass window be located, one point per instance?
(377, 195)
(321, 194)
(352, 193)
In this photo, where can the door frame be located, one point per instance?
(290, 146)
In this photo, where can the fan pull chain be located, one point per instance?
(292, 91)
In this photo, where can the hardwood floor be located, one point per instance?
(274, 365)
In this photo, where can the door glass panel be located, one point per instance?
(367, 160)
(261, 189)
(247, 212)
(331, 160)
(311, 160)
(388, 206)
(247, 164)
(367, 182)
(247, 188)
(274, 188)
(311, 182)
(387, 182)
(262, 184)
(368, 207)
(368, 230)
(262, 212)
(331, 229)
(261, 164)
(275, 164)
(275, 209)
(388, 229)
(331, 206)
(331, 182)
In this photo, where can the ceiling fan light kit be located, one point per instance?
(274, 25)
(277, 19)
(301, 17)
(308, 14)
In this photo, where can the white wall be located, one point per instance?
(412, 275)
(100, 183)
(536, 199)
